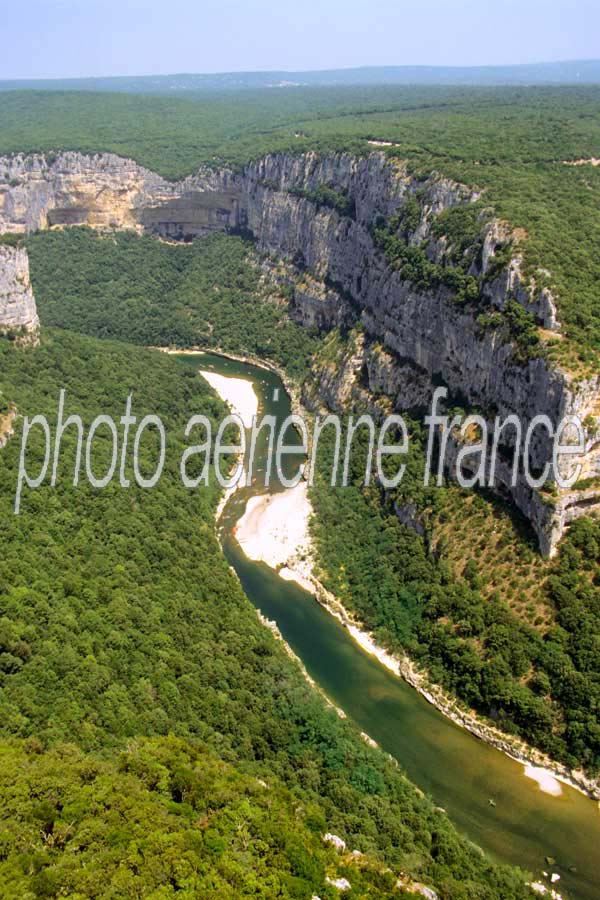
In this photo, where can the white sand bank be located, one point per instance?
(240, 396)
(274, 528)
(548, 783)
(238, 393)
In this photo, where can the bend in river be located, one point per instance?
(522, 825)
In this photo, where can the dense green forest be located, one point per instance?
(119, 619)
(163, 819)
(534, 683)
(512, 143)
(137, 289)
(225, 128)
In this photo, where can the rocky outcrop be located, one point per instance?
(419, 335)
(107, 191)
(6, 425)
(321, 216)
(362, 376)
(18, 313)
(511, 282)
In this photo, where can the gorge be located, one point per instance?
(325, 225)
(360, 244)
(460, 772)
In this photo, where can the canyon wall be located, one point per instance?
(18, 313)
(106, 191)
(319, 215)
(418, 337)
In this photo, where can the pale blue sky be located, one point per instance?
(69, 38)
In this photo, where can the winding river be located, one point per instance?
(461, 773)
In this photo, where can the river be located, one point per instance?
(461, 773)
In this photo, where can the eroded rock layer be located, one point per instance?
(106, 191)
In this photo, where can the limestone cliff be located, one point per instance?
(418, 336)
(321, 214)
(18, 313)
(106, 191)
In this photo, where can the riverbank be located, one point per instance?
(548, 774)
(238, 394)
(291, 388)
(536, 766)
(270, 530)
(242, 400)
(299, 566)
(275, 530)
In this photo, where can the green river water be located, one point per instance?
(460, 772)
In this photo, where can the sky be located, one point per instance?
(75, 38)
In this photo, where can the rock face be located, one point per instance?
(318, 214)
(18, 313)
(106, 191)
(418, 337)
(6, 426)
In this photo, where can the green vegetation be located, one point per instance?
(163, 819)
(223, 128)
(133, 288)
(12, 240)
(414, 266)
(120, 619)
(327, 197)
(521, 329)
(541, 685)
(511, 143)
(461, 225)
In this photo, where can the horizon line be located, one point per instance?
(351, 68)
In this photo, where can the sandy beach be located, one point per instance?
(274, 527)
(238, 394)
(545, 779)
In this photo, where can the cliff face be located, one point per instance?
(416, 337)
(18, 311)
(377, 188)
(423, 327)
(319, 215)
(106, 191)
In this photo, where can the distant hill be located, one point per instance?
(574, 72)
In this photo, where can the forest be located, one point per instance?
(121, 624)
(514, 144)
(531, 679)
(138, 289)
